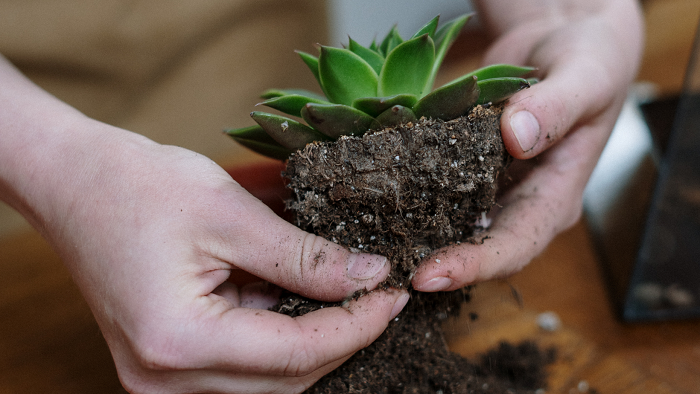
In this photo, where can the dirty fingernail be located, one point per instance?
(400, 304)
(526, 129)
(436, 284)
(363, 266)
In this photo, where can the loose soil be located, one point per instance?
(412, 357)
(404, 192)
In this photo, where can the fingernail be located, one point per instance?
(400, 304)
(526, 129)
(436, 284)
(363, 266)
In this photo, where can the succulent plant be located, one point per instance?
(374, 87)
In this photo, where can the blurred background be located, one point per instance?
(180, 72)
(365, 20)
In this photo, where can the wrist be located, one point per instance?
(50, 153)
(32, 125)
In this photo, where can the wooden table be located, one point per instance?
(594, 346)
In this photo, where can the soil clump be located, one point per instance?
(401, 192)
(404, 192)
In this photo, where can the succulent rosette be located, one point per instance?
(375, 87)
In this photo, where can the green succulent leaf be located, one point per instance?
(251, 133)
(447, 33)
(385, 42)
(391, 41)
(401, 72)
(501, 71)
(257, 140)
(373, 106)
(291, 104)
(449, 101)
(444, 38)
(287, 132)
(396, 115)
(496, 71)
(272, 151)
(499, 89)
(372, 58)
(373, 46)
(408, 67)
(312, 62)
(337, 120)
(345, 76)
(429, 28)
(272, 93)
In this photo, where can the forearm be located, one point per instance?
(48, 150)
(30, 122)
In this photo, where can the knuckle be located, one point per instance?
(136, 380)
(301, 361)
(297, 270)
(466, 271)
(315, 263)
(149, 357)
(562, 120)
(135, 384)
(158, 352)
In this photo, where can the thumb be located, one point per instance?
(536, 118)
(306, 264)
(582, 76)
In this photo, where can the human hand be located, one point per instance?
(154, 244)
(151, 235)
(587, 54)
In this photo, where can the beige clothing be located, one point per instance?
(176, 71)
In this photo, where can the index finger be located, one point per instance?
(264, 342)
(574, 87)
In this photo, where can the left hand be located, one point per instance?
(152, 233)
(586, 56)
